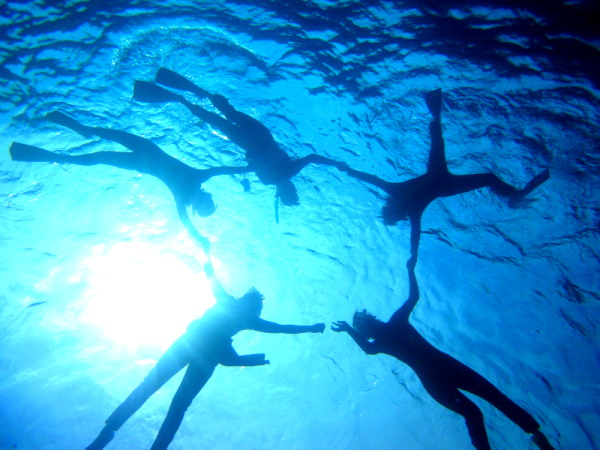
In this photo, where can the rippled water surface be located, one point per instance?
(99, 276)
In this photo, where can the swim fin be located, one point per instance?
(66, 121)
(433, 99)
(151, 93)
(29, 153)
(173, 80)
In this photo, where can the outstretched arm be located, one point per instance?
(220, 294)
(225, 170)
(367, 177)
(299, 164)
(370, 348)
(415, 236)
(271, 327)
(413, 294)
(185, 219)
(229, 357)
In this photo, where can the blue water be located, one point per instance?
(99, 276)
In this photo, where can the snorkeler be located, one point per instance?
(409, 199)
(184, 182)
(271, 164)
(442, 376)
(206, 344)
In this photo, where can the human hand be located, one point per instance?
(340, 326)
(318, 328)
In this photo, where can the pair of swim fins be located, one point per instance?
(144, 91)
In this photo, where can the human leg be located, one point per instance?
(437, 153)
(136, 144)
(66, 121)
(459, 184)
(433, 100)
(473, 382)
(454, 400)
(194, 379)
(168, 365)
(29, 153)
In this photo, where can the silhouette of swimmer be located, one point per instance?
(409, 199)
(184, 182)
(271, 164)
(442, 376)
(206, 343)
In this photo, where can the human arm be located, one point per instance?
(415, 236)
(185, 220)
(299, 164)
(265, 326)
(403, 313)
(367, 177)
(229, 357)
(225, 170)
(220, 294)
(369, 348)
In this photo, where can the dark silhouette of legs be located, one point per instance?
(459, 376)
(471, 381)
(131, 141)
(456, 401)
(167, 366)
(193, 381)
(124, 160)
(151, 93)
(459, 184)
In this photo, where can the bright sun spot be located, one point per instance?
(142, 295)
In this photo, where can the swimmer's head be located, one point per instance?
(251, 303)
(202, 203)
(287, 193)
(365, 323)
(393, 211)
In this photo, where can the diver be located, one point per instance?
(206, 343)
(409, 199)
(271, 164)
(442, 376)
(184, 182)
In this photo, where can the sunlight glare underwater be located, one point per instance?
(139, 295)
